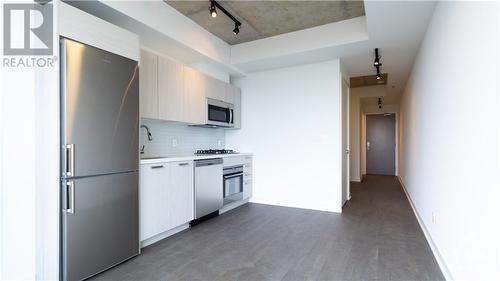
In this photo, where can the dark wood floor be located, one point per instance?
(377, 237)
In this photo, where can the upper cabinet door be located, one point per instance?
(229, 93)
(170, 90)
(194, 97)
(237, 108)
(214, 88)
(148, 85)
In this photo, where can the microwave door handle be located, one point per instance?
(232, 116)
(228, 115)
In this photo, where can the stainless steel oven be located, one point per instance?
(220, 113)
(233, 184)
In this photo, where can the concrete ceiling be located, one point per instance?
(395, 27)
(262, 19)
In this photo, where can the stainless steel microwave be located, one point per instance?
(220, 113)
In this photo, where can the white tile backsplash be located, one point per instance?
(174, 139)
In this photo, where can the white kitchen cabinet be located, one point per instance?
(170, 90)
(166, 197)
(237, 108)
(247, 177)
(148, 88)
(214, 88)
(229, 93)
(152, 199)
(233, 96)
(180, 194)
(194, 97)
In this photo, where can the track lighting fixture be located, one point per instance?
(377, 64)
(213, 12)
(236, 29)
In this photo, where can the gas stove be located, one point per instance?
(214, 151)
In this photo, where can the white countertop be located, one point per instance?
(189, 158)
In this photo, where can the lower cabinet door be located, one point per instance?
(179, 194)
(152, 199)
(166, 197)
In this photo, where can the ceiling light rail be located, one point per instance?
(377, 64)
(213, 13)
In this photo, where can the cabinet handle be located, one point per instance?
(157, 167)
(183, 164)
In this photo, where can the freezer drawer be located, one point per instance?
(100, 223)
(99, 111)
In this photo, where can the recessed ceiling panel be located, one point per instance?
(261, 19)
(368, 80)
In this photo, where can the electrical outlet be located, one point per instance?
(219, 143)
(174, 143)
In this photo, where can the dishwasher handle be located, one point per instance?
(208, 162)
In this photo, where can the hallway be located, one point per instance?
(399, 249)
(377, 237)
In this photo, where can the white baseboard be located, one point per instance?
(164, 235)
(435, 251)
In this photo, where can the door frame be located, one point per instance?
(343, 79)
(363, 144)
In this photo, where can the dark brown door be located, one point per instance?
(381, 144)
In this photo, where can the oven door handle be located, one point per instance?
(233, 176)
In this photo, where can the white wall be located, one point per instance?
(450, 139)
(291, 123)
(354, 135)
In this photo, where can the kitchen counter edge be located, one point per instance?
(190, 158)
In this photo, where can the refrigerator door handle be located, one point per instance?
(69, 160)
(70, 195)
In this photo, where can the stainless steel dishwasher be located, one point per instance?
(208, 186)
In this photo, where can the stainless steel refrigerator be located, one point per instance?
(99, 159)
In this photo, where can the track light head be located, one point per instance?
(213, 10)
(236, 29)
(377, 64)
